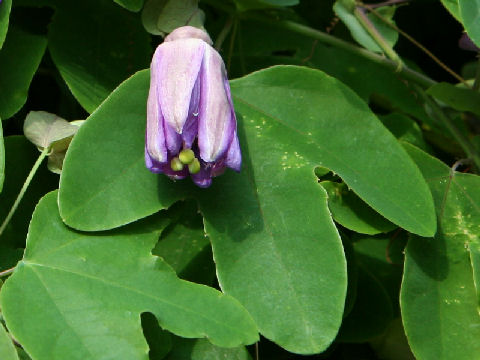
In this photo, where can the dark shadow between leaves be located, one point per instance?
(430, 255)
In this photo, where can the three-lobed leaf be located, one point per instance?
(253, 217)
(82, 294)
(132, 5)
(160, 17)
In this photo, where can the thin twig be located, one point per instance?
(416, 43)
(24, 188)
(7, 272)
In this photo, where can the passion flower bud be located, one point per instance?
(190, 115)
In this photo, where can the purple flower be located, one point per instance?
(191, 124)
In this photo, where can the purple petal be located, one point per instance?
(154, 138)
(176, 70)
(234, 155)
(215, 122)
(190, 129)
(203, 178)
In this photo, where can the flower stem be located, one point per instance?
(29, 178)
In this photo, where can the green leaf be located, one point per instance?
(189, 349)
(350, 211)
(331, 127)
(7, 350)
(132, 5)
(371, 313)
(256, 215)
(161, 17)
(5, 8)
(372, 83)
(112, 139)
(439, 295)
(470, 13)
(115, 188)
(82, 294)
(358, 31)
(453, 7)
(19, 60)
(458, 98)
(93, 56)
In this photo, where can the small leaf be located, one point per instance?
(440, 289)
(350, 211)
(5, 7)
(43, 129)
(82, 294)
(161, 17)
(358, 31)
(132, 5)
(470, 13)
(458, 98)
(19, 60)
(7, 350)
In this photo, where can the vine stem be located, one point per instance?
(325, 38)
(416, 43)
(29, 178)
